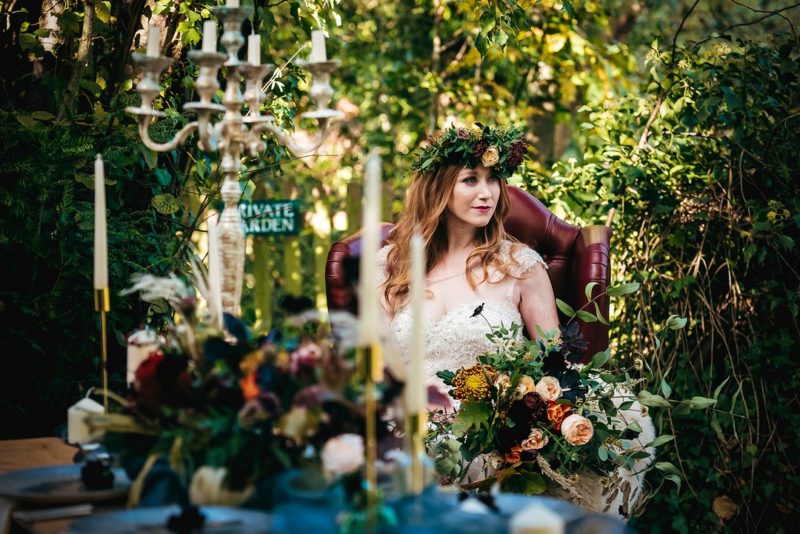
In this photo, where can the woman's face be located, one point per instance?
(474, 197)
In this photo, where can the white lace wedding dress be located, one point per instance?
(454, 335)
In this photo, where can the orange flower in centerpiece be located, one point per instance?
(513, 456)
(556, 413)
(474, 383)
(250, 389)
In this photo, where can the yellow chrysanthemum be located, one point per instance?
(474, 383)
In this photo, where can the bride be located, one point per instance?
(478, 277)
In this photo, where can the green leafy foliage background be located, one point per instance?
(681, 116)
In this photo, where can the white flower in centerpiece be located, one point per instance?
(343, 454)
(208, 488)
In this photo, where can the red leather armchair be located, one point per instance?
(575, 256)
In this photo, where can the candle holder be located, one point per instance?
(102, 305)
(415, 430)
(370, 359)
(233, 132)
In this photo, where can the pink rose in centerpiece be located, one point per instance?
(343, 454)
(306, 355)
(577, 430)
(549, 388)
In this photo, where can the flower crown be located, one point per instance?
(501, 149)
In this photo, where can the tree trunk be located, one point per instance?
(81, 59)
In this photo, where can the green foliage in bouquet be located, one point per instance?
(531, 412)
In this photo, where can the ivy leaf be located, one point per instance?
(474, 414)
(165, 204)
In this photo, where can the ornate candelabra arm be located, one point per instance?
(254, 95)
(321, 92)
(180, 137)
(206, 86)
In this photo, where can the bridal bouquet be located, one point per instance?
(227, 410)
(530, 412)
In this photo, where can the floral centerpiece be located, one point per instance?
(227, 410)
(533, 419)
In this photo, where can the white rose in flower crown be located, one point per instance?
(577, 430)
(343, 454)
(549, 388)
(526, 385)
(490, 157)
(535, 441)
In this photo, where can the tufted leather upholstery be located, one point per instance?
(575, 256)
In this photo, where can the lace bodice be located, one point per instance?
(455, 337)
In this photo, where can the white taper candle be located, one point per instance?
(318, 51)
(100, 238)
(254, 49)
(214, 270)
(415, 385)
(370, 242)
(210, 36)
(154, 41)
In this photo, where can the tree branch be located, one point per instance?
(80, 61)
(661, 92)
(748, 23)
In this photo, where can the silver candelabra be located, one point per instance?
(235, 131)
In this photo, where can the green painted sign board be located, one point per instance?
(270, 217)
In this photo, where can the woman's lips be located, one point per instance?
(483, 209)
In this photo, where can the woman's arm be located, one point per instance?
(537, 304)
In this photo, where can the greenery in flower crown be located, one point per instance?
(501, 149)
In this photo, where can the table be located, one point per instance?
(24, 454)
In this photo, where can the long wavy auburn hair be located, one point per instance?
(426, 204)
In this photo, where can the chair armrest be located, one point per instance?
(344, 255)
(339, 291)
(592, 263)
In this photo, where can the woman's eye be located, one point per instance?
(493, 178)
(470, 180)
